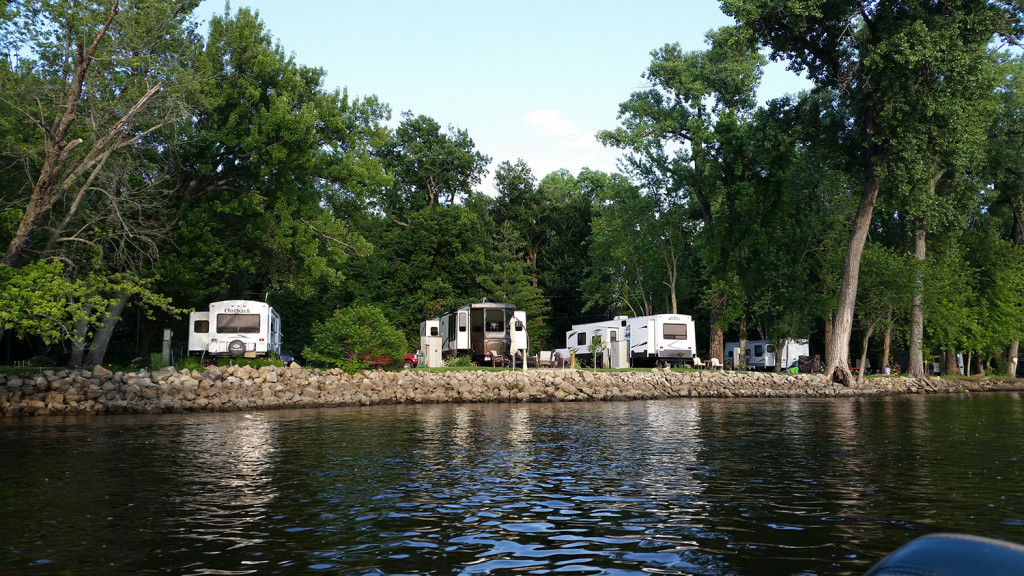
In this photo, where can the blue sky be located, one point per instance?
(530, 79)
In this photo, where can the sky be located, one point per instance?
(531, 80)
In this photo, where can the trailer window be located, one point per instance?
(494, 321)
(581, 339)
(201, 327)
(462, 322)
(238, 323)
(674, 331)
(770, 348)
(758, 350)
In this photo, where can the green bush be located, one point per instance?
(357, 338)
(999, 366)
(191, 363)
(459, 362)
(156, 361)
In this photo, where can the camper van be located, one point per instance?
(489, 332)
(235, 328)
(760, 354)
(666, 339)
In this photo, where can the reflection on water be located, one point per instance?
(677, 486)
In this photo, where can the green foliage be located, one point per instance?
(251, 362)
(39, 299)
(596, 347)
(190, 363)
(357, 338)
(458, 362)
(430, 167)
(156, 362)
(510, 279)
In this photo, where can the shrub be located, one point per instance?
(459, 361)
(191, 363)
(357, 338)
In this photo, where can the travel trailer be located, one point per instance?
(760, 354)
(666, 339)
(489, 332)
(235, 328)
(580, 338)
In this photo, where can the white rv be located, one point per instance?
(235, 328)
(656, 339)
(580, 338)
(760, 354)
(489, 332)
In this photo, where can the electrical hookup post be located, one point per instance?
(166, 350)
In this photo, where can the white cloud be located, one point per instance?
(552, 122)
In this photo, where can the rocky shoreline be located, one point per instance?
(100, 391)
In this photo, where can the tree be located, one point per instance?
(269, 169)
(429, 266)
(864, 50)
(669, 132)
(562, 262)
(511, 280)
(357, 338)
(94, 82)
(430, 167)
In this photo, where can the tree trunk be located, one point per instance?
(916, 368)
(888, 341)
(952, 366)
(837, 356)
(1011, 358)
(864, 355)
(739, 357)
(98, 346)
(78, 339)
(717, 345)
(828, 329)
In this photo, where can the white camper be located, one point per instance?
(489, 332)
(760, 354)
(661, 339)
(656, 339)
(235, 328)
(581, 337)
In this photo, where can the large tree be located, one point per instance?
(431, 167)
(865, 50)
(86, 90)
(669, 134)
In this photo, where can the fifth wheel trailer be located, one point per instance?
(488, 332)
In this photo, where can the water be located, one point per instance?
(709, 487)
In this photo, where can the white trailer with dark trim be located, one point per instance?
(489, 332)
(658, 339)
(580, 339)
(235, 328)
(760, 354)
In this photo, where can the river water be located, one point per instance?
(703, 486)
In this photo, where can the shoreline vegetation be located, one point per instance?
(244, 388)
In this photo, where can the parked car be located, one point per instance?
(411, 361)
